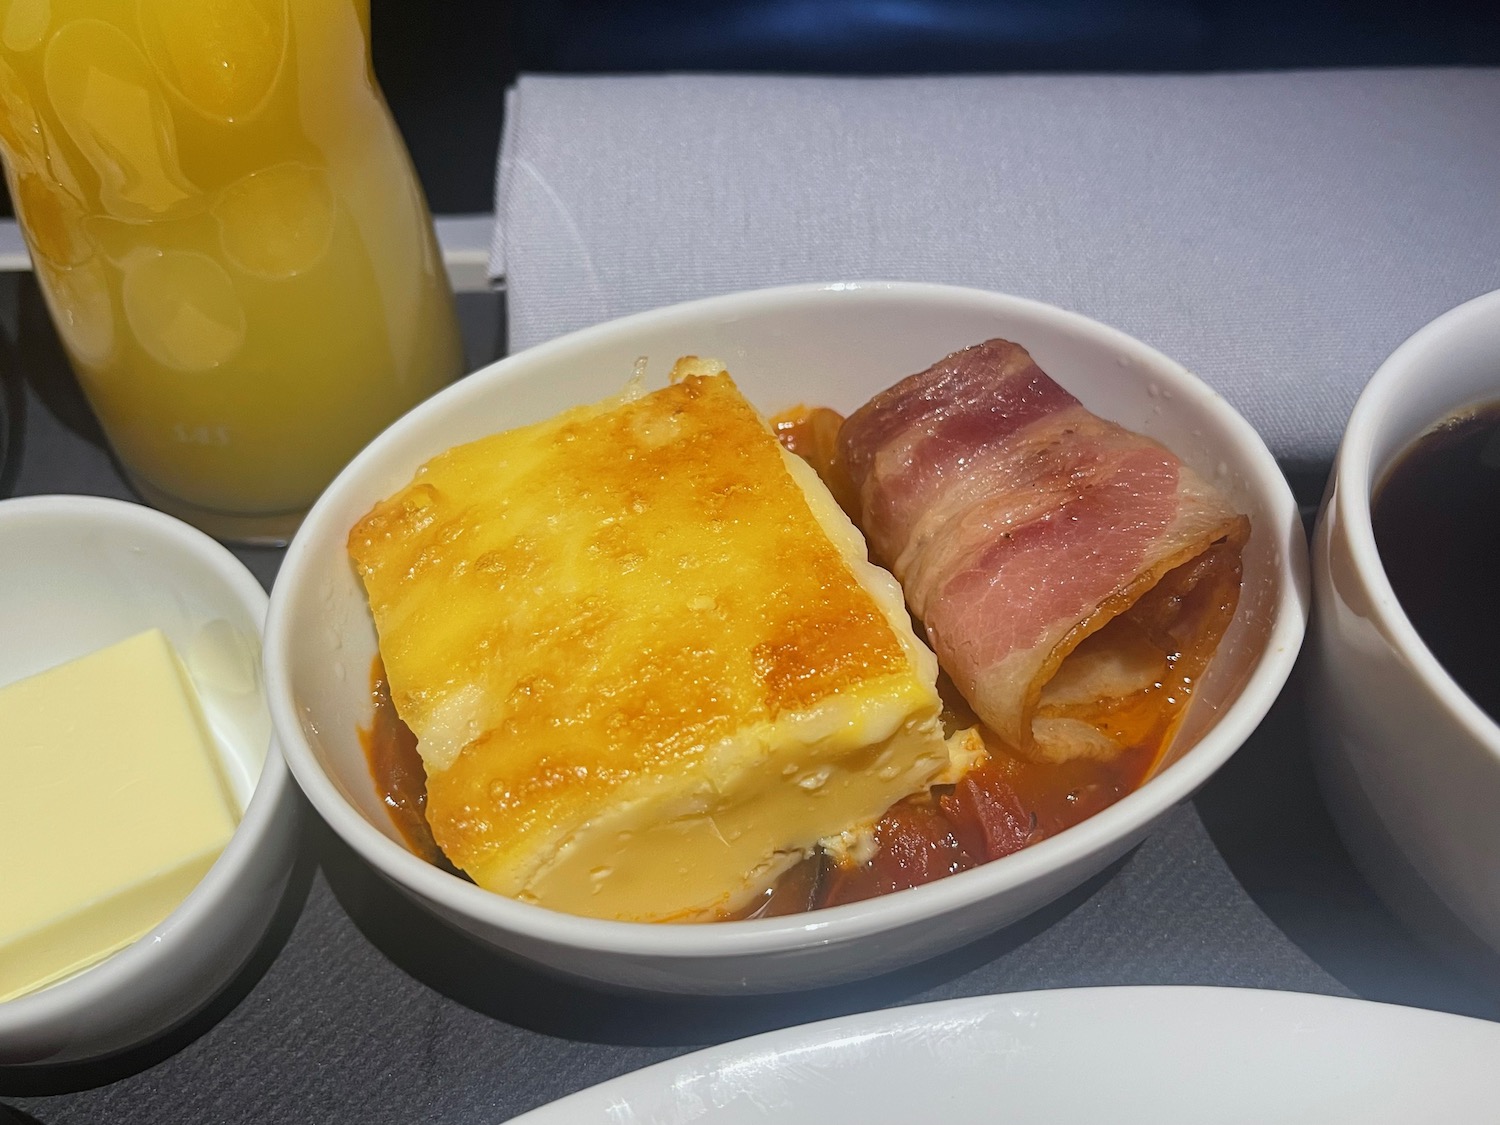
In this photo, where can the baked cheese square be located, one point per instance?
(645, 659)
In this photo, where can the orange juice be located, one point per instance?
(230, 237)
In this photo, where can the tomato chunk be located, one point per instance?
(986, 815)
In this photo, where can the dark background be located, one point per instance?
(444, 66)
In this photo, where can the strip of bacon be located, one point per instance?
(1020, 526)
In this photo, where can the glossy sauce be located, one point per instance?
(396, 768)
(1436, 518)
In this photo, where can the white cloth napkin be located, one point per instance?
(1279, 234)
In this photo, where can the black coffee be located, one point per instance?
(1437, 526)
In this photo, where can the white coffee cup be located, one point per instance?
(1409, 764)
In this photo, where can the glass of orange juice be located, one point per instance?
(231, 240)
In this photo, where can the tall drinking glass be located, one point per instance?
(230, 238)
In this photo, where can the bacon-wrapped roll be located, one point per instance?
(1073, 577)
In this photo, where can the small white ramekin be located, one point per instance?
(78, 573)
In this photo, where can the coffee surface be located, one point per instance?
(1437, 526)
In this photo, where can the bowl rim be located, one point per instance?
(1354, 474)
(1125, 819)
(153, 952)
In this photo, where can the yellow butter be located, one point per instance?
(113, 803)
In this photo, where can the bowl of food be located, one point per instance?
(647, 714)
(150, 824)
(1406, 722)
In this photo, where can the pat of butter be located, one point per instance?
(112, 807)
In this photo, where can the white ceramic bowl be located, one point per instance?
(76, 574)
(1409, 764)
(833, 345)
